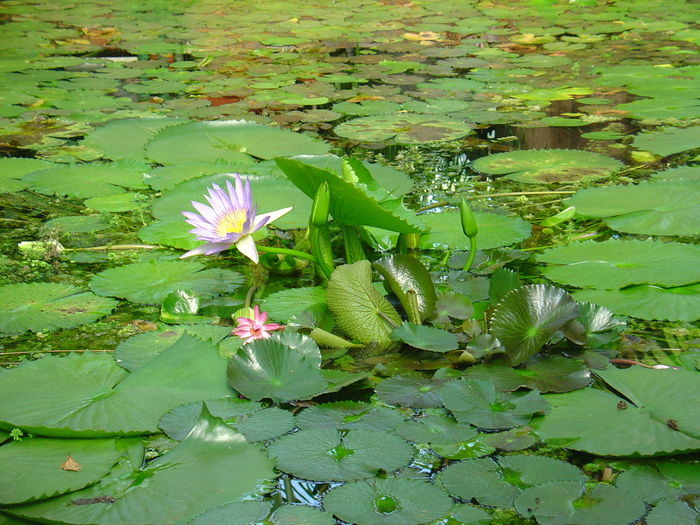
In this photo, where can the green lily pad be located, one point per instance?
(228, 140)
(38, 470)
(403, 129)
(511, 440)
(659, 403)
(87, 180)
(477, 403)
(410, 391)
(602, 135)
(116, 203)
(361, 203)
(680, 303)
(565, 502)
(329, 455)
(547, 166)
(653, 208)
(668, 141)
(13, 169)
(92, 396)
(181, 484)
(680, 173)
(360, 311)
(126, 138)
(546, 374)
(151, 282)
(78, 223)
(617, 263)
(425, 337)
(167, 177)
(367, 108)
(500, 483)
(283, 305)
(410, 282)
(388, 501)
(283, 367)
(435, 429)
(349, 415)
(494, 230)
(676, 512)
(528, 317)
(663, 480)
(300, 515)
(241, 513)
(48, 306)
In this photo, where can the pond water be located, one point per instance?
(570, 129)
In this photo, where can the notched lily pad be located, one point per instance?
(403, 129)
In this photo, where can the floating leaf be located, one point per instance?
(668, 141)
(116, 203)
(676, 512)
(617, 263)
(529, 316)
(565, 502)
(43, 467)
(208, 455)
(511, 440)
(680, 173)
(410, 391)
(440, 430)
(167, 177)
(403, 129)
(477, 403)
(92, 396)
(87, 180)
(13, 169)
(661, 480)
(48, 306)
(349, 415)
(282, 367)
(388, 501)
(425, 337)
(151, 282)
(77, 223)
(283, 305)
(242, 513)
(681, 303)
(359, 309)
(494, 231)
(228, 140)
(659, 403)
(547, 166)
(654, 208)
(330, 455)
(300, 515)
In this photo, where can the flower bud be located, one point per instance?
(469, 226)
(321, 205)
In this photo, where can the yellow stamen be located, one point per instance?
(232, 222)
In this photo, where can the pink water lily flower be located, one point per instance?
(228, 220)
(255, 328)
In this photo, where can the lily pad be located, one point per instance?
(167, 177)
(388, 501)
(283, 305)
(617, 263)
(330, 455)
(663, 480)
(116, 203)
(87, 180)
(435, 429)
(668, 141)
(653, 208)
(477, 403)
(359, 309)
(659, 403)
(228, 140)
(494, 230)
(77, 223)
(240, 513)
(679, 173)
(676, 512)
(282, 367)
(547, 166)
(349, 415)
(680, 303)
(410, 281)
(92, 396)
(208, 455)
(529, 316)
(403, 129)
(151, 282)
(425, 337)
(48, 306)
(13, 169)
(410, 391)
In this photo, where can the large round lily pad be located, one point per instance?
(494, 230)
(48, 306)
(617, 263)
(548, 165)
(228, 140)
(652, 208)
(331, 455)
(403, 129)
(660, 404)
(13, 169)
(150, 282)
(388, 502)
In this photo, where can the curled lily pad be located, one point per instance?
(331, 455)
(477, 403)
(403, 129)
(529, 316)
(388, 501)
(410, 281)
(48, 306)
(547, 166)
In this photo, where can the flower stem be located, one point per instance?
(472, 253)
(288, 251)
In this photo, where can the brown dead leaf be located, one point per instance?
(71, 465)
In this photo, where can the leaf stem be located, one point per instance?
(114, 247)
(288, 251)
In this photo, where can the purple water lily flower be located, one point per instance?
(229, 219)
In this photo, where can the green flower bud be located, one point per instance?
(321, 205)
(469, 226)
